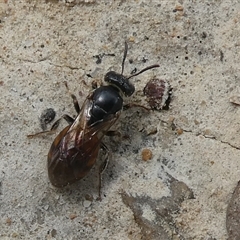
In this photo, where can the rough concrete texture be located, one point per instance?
(195, 144)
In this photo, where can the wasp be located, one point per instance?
(75, 149)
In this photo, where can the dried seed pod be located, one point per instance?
(158, 93)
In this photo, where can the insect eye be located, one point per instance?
(109, 77)
(128, 89)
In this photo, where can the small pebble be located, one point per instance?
(72, 216)
(146, 154)
(235, 100)
(87, 203)
(8, 221)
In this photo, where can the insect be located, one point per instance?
(75, 149)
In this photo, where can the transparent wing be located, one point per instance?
(75, 150)
(82, 140)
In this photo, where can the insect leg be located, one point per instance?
(130, 105)
(115, 134)
(112, 133)
(124, 56)
(66, 117)
(69, 119)
(102, 167)
(74, 98)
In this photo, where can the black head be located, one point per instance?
(120, 81)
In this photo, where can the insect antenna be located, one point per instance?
(143, 70)
(124, 56)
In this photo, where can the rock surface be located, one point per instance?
(196, 142)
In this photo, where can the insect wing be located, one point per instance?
(75, 150)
